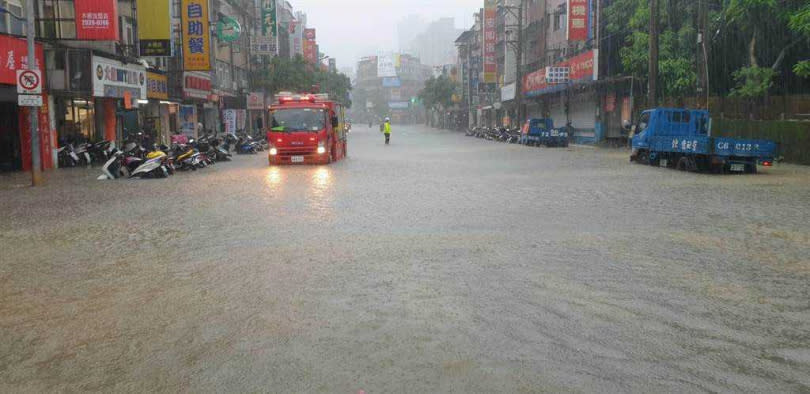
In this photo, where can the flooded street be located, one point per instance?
(440, 263)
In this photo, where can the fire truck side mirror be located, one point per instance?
(334, 121)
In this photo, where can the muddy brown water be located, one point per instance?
(440, 263)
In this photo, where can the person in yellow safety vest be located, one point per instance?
(387, 130)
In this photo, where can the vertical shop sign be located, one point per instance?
(154, 28)
(490, 64)
(578, 12)
(96, 20)
(269, 25)
(196, 35)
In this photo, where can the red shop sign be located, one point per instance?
(96, 20)
(13, 56)
(197, 83)
(578, 11)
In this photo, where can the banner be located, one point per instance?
(385, 66)
(310, 51)
(188, 119)
(582, 68)
(154, 27)
(112, 78)
(490, 62)
(157, 86)
(196, 35)
(96, 20)
(578, 11)
(269, 20)
(14, 56)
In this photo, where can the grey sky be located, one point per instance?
(350, 29)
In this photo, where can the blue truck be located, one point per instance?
(681, 138)
(541, 131)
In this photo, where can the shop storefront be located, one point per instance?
(118, 89)
(15, 137)
(571, 98)
(155, 112)
(196, 107)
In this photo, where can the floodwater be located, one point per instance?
(440, 263)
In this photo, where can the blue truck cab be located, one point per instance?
(541, 131)
(681, 138)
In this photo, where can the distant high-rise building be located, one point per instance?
(408, 28)
(434, 45)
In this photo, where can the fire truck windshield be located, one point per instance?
(298, 119)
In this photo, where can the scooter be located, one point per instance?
(67, 157)
(112, 168)
(152, 168)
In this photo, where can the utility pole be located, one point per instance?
(652, 100)
(703, 63)
(519, 66)
(30, 32)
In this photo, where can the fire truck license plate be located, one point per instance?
(738, 167)
(297, 159)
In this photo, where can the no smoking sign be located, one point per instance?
(29, 82)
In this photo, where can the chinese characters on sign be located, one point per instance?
(14, 56)
(154, 28)
(490, 64)
(157, 86)
(578, 26)
(96, 20)
(269, 25)
(196, 36)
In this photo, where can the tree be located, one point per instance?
(438, 92)
(630, 18)
(800, 23)
(297, 75)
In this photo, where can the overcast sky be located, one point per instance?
(350, 29)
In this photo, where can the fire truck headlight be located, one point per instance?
(321, 148)
(273, 151)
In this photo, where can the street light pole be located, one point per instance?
(36, 166)
(519, 66)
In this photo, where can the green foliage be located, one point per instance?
(676, 49)
(438, 92)
(296, 75)
(802, 68)
(753, 82)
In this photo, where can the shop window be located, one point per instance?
(78, 123)
(57, 19)
(559, 18)
(9, 24)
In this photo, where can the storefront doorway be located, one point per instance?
(10, 153)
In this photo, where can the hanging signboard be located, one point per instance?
(196, 85)
(490, 62)
(269, 20)
(578, 12)
(96, 20)
(263, 45)
(157, 86)
(229, 118)
(255, 100)
(112, 78)
(196, 35)
(228, 29)
(154, 28)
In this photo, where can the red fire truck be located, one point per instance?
(306, 129)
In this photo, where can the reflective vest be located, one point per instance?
(387, 129)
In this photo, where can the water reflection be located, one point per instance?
(274, 177)
(320, 196)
